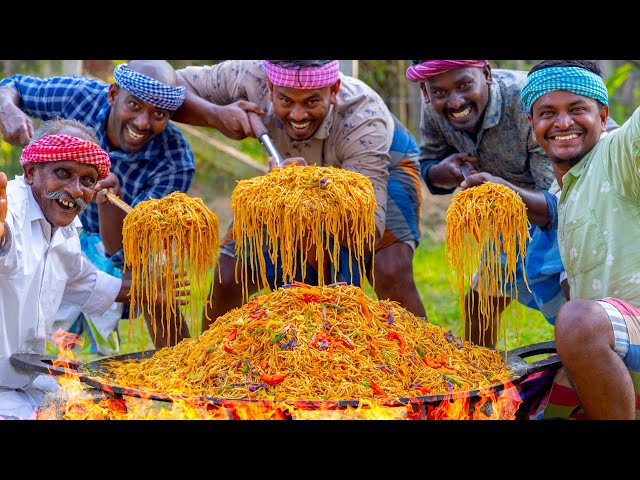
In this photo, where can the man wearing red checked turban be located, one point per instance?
(40, 257)
(317, 116)
(41, 261)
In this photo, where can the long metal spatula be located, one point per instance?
(262, 134)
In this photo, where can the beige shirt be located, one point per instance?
(355, 135)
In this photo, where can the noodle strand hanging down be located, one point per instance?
(173, 233)
(481, 223)
(304, 342)
(298, 211)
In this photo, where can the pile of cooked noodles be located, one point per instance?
(482, 222)
(176, 233)
(305, 342)
(302, 213)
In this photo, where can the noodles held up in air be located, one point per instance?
(302, 213)
(162, 236)
(481, 222)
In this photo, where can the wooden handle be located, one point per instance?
(118, 202)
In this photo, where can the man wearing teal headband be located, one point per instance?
(150, 158)
(472, 115)
(597, 183)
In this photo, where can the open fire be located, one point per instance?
(420, 358)
(80, 403)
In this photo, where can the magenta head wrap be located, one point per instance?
(55, 148)
(306, 77)
(429, 68)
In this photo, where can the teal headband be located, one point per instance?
(573, 79)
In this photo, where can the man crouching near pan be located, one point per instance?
(41, 262)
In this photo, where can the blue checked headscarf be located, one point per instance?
(573, 79)
(149, 89)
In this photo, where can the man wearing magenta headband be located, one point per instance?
(472, 115)
(316, 115)
(150, 158)
(597, 183)
(41, 262)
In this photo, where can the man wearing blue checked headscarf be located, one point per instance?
(150, 158)
(597, 184)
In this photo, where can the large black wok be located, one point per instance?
(515, 359)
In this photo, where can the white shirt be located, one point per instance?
(37, 272)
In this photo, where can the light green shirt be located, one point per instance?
(599, 218)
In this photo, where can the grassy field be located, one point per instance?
(524, 326)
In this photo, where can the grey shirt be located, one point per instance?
(504, 145)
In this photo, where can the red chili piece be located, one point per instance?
(392, 335)
(272, 379)
(376, 389)
(232, 336)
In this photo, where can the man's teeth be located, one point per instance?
(68, 204)
(134, 135)
(300, 126)
(566, 137)
(461, 114)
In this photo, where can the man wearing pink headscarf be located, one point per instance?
(472, 115)
(317, 115)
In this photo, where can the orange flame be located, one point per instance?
(85, 404)
(81, 402)
(486, 405)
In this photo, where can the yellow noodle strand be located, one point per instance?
(305, 342)
(176, 232)
(298, 211)
(480, 221)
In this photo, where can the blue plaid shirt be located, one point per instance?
(163, 166)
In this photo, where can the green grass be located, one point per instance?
(525, 326)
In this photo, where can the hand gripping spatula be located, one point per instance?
(262, 134)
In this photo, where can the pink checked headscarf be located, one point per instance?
(429, 68)
(306, 78)
(54, 148)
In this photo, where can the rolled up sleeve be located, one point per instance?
(103, 295)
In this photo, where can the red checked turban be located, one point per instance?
(307, 78)
(54, 148)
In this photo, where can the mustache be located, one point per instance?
(79, 202)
